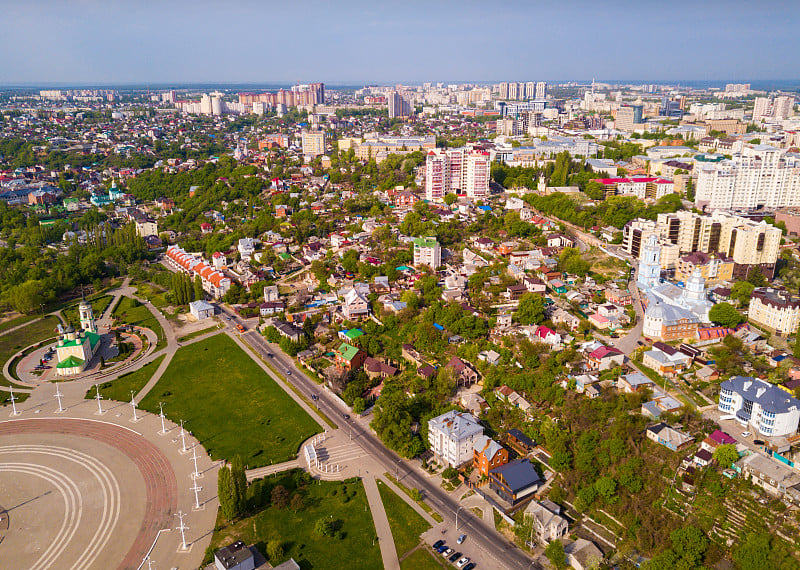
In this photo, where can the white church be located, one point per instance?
(673, 312)
(76, 349)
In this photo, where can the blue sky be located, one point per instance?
(176, 41)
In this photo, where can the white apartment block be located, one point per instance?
(460, 170)
(761, 176)
(452, 437)
(427, 252)
(775, 309)
(767, 409)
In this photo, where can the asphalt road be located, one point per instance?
(507, 555)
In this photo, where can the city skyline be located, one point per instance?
(114, 43)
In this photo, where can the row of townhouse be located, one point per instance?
(215, 283)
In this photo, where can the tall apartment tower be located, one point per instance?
(459, 170)
(541, 90)
(398, 106)
(530, 90)
(314, 142)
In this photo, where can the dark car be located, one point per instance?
(313, 396)
(469, 566)
(437, 544)
(455, 556)
(346, 416)
(441, 549)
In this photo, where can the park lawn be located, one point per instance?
(344, 502)
(421, 559)
(153, 293)
(407, 525)
(231, 404)
(5, 397)
(99, 304)
(16, 321)
(195, 334)
(12, 343)
(140, 316)
(120, 388)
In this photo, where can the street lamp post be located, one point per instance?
(457, 511)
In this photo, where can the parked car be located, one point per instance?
(447, 552)
(455, 556)
(469, 566)
(442, 548)
(436, 544)
(462, 562)
(461, 539)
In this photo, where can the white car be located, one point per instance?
(746, 434)
(462, 562)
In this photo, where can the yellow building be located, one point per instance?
(775, 310)
(713, 267)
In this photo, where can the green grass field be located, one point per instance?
(99, 305)
(230, 404)
(120, 388)
(195, 334)
(13, 342)
(421, 559)
(5, 397)
(153, 293)
(16, 321)
(407, 525)
(343, 502)
(140, 316)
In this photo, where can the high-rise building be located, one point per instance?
(398, 106)
(760, 177)
(503, 90)
(513, 91)
(427, 251)
(541, 90)
(628, 116)
(746, 242)
(783, 107)
(314, 143)
(458, 170)
(530, 90)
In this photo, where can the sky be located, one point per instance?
(385, 42)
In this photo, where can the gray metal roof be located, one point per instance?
(768, 396)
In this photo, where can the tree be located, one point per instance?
(530, 310)
(275, 549)
(239, 483)
(741, 292)
(297, 502)
(324, 527)
(227, 493)
(450, 473)
(450, 199)
(756, 278)
(689, 544)
(279, 496)
(555, 554)
(726, 454)
(359, 405)
(198, 288)
(725, 315)
(607, 488)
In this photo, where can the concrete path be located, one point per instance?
(16, 328)
(262, 472)
(382, 528)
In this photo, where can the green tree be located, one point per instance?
(239, 483)
(324, 527)
(555, 554)
(753, 554)
(606, 487)
(279, 496)
(530, 310)
(755, 277)
(741, 292)
(724, 314)
(725, 455)
(198, 288)
(275, 550)
(227, 493)
(690, 544)
(297, 503)
(450, 199)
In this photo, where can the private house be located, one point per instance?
(271, 308)
(766, 408)
(605, 358)
(633, 382)
(288, 330)
(661, 403)
(488, 455)
(548, 524)
(667, 362)
(377, 369)
(520, 442)
(464, 374)
(776, 479)
(474, 403)
(349, 357)
(201, 310)
(515, 481)
(355, 306)
(512, 398)
(717, 438)
(410, 353)
(235, 556)
(583, 554)
(669, 437)
(452, 437)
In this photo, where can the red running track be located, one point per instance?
(159, 478)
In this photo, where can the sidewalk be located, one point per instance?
(382, 528)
